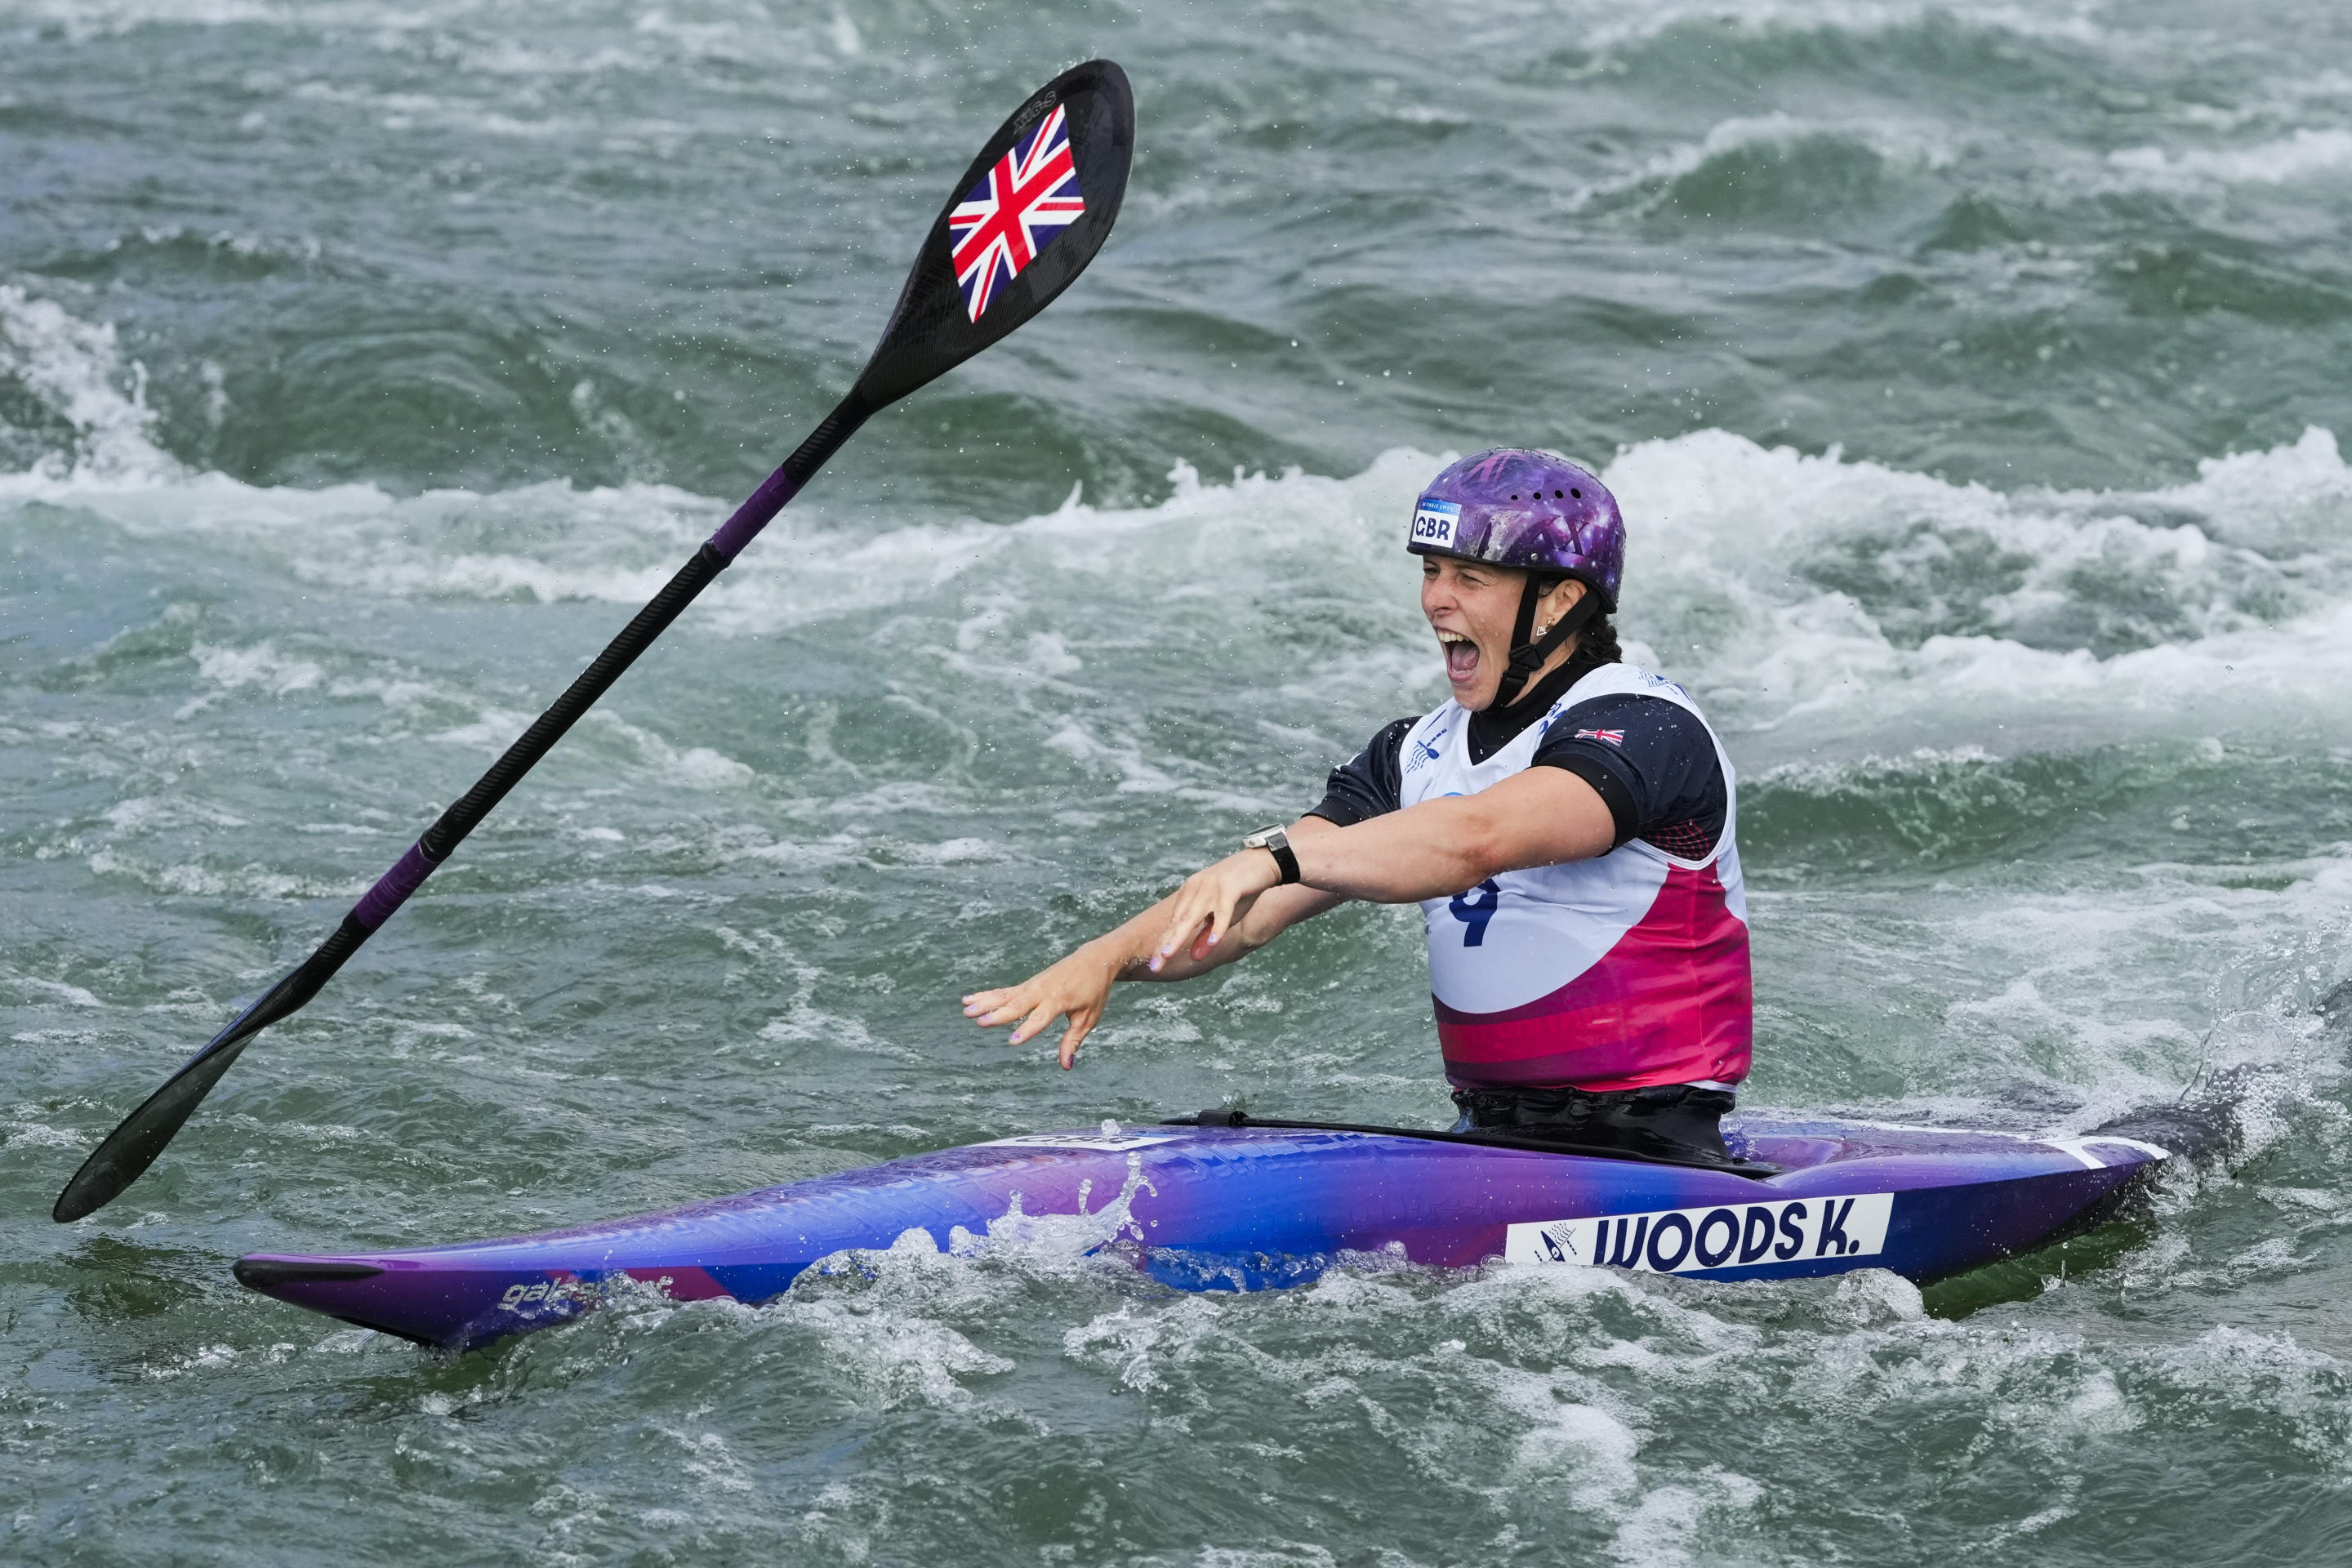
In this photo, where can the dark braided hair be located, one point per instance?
(1596, 645)
(1596, 640)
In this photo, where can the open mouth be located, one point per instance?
(1461, 657)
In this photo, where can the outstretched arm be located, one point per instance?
(1078, 986)
(1542, 816)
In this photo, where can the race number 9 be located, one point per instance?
(1475, 912)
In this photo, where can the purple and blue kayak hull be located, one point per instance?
(1246, 1208)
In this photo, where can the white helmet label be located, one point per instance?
(1433, 523)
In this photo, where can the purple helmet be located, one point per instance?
(1533, 510)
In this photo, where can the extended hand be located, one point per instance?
(1076, 988)
(1202, 912)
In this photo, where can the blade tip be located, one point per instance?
(80, 1201)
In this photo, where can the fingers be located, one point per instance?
(1207, 907)
(992, 1009)
(1082, 1024)
(1043, 1013)
(1198, 900)
(1176, 937)
(1180, 925)
(1036, 1005)
(1205, 939)
(1219, 921)
(989, 1008)
(1076, 988)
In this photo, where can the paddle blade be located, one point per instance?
(131, 1148)
(1024, 222)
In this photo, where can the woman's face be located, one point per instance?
(1472, 607)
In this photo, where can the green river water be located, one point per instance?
(1970, 374)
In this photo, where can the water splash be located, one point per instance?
(74, 371)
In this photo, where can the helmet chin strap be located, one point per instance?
(1527, 658)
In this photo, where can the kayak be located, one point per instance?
(1255, 1206)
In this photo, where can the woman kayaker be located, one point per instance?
(1564, 819)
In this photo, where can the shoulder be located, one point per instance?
(1647, 731)
(1621, 679)
(1368, 784)
(1392, 735)
(1657, 713)
(1629, 689)
(1653, 761)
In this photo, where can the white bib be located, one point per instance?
(1560, 942)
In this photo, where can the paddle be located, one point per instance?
(1026, 219)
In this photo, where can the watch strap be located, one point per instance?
(1277, 842)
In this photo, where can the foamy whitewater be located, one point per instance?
(1970, 377)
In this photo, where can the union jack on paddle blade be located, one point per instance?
(1005, 220)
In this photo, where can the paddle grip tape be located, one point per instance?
(760, 507)
(409, 872)
(392, 888)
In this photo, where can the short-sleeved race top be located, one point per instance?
(1621, 970)
(1651, 761)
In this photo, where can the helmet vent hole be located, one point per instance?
(1555, 494)
(1578, 494)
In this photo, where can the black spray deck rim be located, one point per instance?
(1754, 1170)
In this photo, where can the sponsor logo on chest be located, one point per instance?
(1693, 1241)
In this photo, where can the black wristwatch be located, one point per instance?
(1278, 843)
